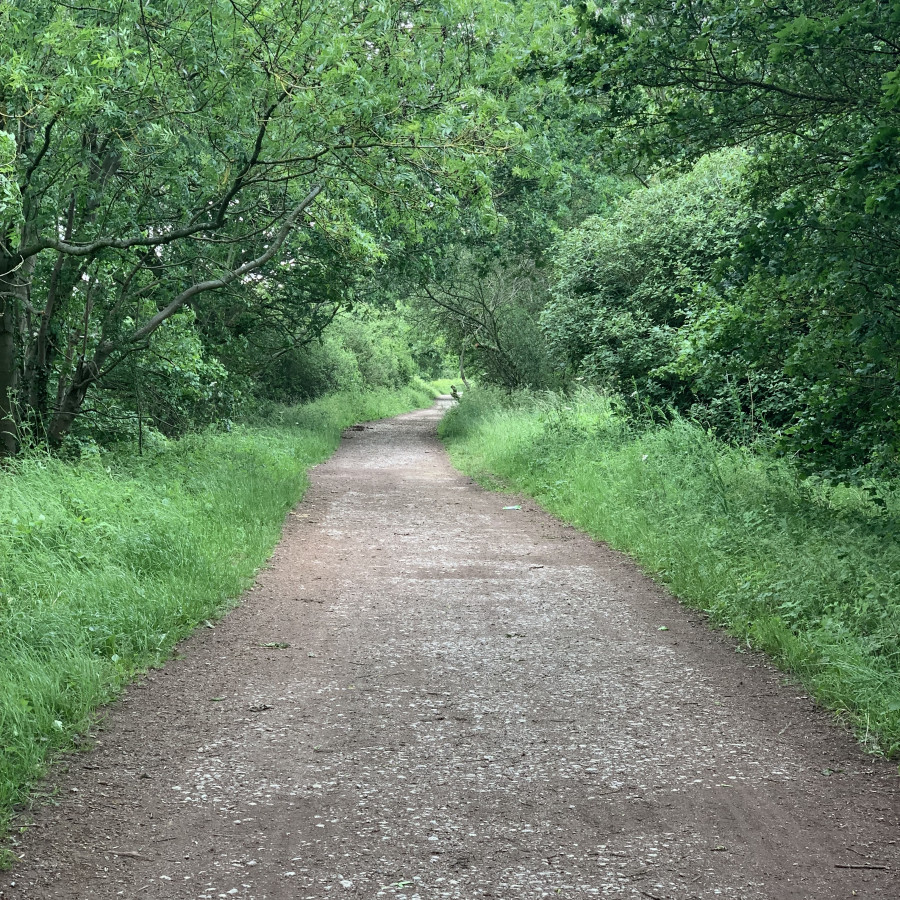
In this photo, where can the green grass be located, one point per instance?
(105, 564)
(443, 385)
(808, 572)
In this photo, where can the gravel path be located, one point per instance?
(427, 696)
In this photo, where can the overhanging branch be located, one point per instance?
(223, 281)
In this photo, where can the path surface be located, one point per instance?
(472, 703)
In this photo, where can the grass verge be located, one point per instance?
(105, 564)
(806, 571)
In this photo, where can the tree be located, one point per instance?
(489, 317)
(166, 152)
(812, 89)
(482, 284)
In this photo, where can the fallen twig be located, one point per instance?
(859, 866)
(132, 854)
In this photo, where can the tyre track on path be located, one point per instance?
(426, 696)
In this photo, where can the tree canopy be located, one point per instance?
(694, 203)
(169, 150)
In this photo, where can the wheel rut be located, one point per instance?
(427, 696)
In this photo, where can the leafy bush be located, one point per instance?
(807, 335)
(177, 385)
(668, 301)
(626, 283)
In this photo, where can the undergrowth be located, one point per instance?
(106, 563)
(806, 571)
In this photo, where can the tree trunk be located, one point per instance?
(14, 276)
(9, 436)
(38, 361)
(37, 364)
(85, 374)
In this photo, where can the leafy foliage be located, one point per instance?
(170, 151)
(802, 324)
(10, 201)
(626, 283)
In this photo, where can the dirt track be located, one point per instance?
(473, 702)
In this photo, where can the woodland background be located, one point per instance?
(693, 205)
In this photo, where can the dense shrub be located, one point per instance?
(670, 301)
(627, 283)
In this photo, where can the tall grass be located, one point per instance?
(105, 564)
(806, 571)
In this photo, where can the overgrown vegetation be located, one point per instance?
(806, 570)
(209, 211)
(106, 563)
(799, 324)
